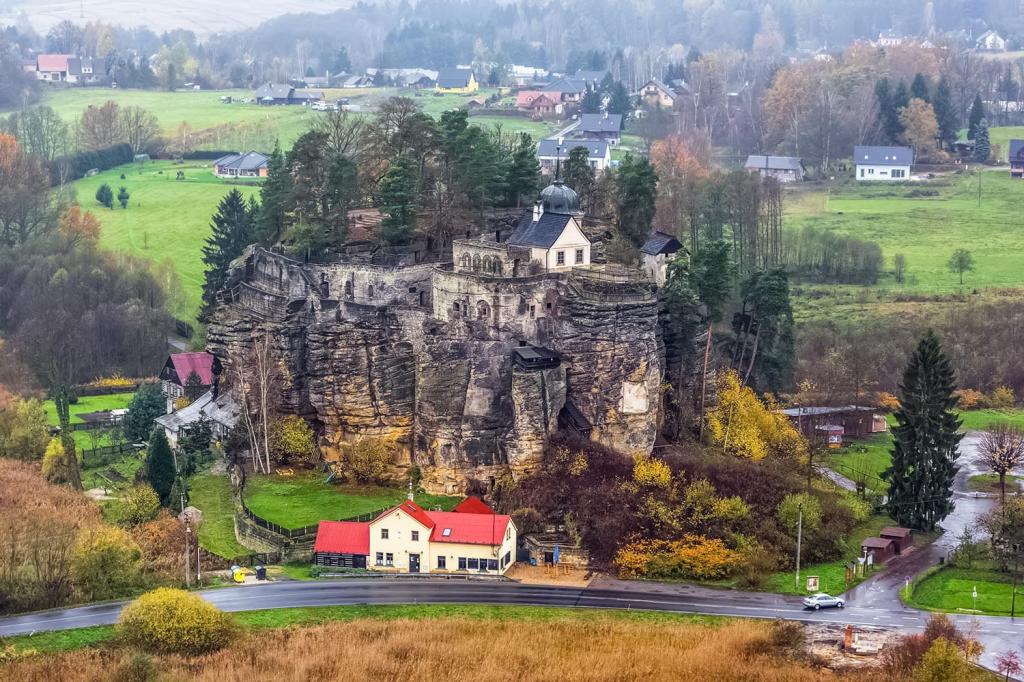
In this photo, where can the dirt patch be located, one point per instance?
(562, 576)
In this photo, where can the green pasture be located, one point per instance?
(89, 403)
(952, 588)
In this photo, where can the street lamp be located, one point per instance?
(188, 556)
(799, 537)
(558, 158)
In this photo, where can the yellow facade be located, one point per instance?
(472, 87)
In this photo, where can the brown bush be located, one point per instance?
(562, 650)
(162, 541)
(904, 656)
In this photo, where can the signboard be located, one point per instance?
(812, 583)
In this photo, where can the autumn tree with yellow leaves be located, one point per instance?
(744, 425)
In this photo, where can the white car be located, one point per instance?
(822, 600)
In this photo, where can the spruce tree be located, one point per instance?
(591, 103)
(883, 98)
(919, 88)
(636, 186)
(982, 146)
(147, 404)
(524, 171)
(274, 199)
(579, 174)
(619, 101)
(974, 118)
(945, 113)
(397, 201)
(160, 465)
(924, 440)
(233, 229)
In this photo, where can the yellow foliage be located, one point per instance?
(1002, 398)
(365, 460)
(651, 473)
(53, 461)
(745, 426)
(692, 556)
(169, 621)
(968, 398)
(106, 563)
(115, 381)
(181, 402)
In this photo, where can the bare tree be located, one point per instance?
(258, 375)
(139, 127)
(100, 127)
(1002, 448)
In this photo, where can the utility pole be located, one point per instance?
(188, 556)
(799, 537)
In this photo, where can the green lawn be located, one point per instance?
(166, 219)
(951, 588)
(304, 499)
(863, 461)
(989, 483)
(211, 494)
(89, 403)
(979, 420)
(538, 130)
(1001, 136)
(66, 640)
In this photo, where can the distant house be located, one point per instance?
(656, 252)
(604, 126)
(853, 420)
(357, 82)
(679, 86)
(591, 78)
(52, 67)
(220, 411)
(654, 93)
(552, 231)
(549, 152)
(990, 41)
(248, 165)
(889, 39)
(526, 75)
(456, 81)
(83, 70)
(566, 89)
(882, 164)
(1016, 158)
(404, 78)
(176, 371)
(539, 104)
(782, 168)
(284, 94)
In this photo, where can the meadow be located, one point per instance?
(952, 588)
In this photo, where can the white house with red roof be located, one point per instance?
(174, 376)
(52, 67)
(410, 539)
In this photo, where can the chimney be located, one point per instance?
(538, 210)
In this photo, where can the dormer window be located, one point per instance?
(446, 532)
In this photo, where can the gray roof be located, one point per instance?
(571, 86)
(453, 78)
(592, 77)
(601, 123)
(762, 161)
(883, 156)
(76, 66)
(596, 149)
(223, 410)
(818, 411)
(274, 91)
(659, 243)
(539, 233)
(247, 161)
(661, 86)
(680, 85)
(1016, 150)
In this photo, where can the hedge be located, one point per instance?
(75, 166)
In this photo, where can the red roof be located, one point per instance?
(200, 363)
(52, 62)
(343, 537)
(469, 529)
(473, 505)
(413, 510)
(525, 97)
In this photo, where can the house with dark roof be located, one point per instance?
(882, 164)
(284, 94)
(552, 152)
(248, 165)
(174, 376)
(566, 89)
(591, 78)
(552, 231)
(456, 81)
(654, 93)
(410, 539)
(1016, 158)
(782, 168)
(219, 410)
(656, 252)
(603, 126)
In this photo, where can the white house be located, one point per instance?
(220, 411)
(552, 232)
(656, 252)
(875, 164)
(410, 539)
(990, 41)
(782, 168)
(552, 151)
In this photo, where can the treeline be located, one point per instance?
(825, 256)
(68, 168)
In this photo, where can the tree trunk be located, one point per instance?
(704, 381)
(753, 355)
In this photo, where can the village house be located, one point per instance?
(591, 78)
(990, 41)
(822, 423)
(656, 252)
(782, 168)
(355, 82)
(1016, 158)
(551, 152)
(539, 104)
(52, 67)
(248, 165)
(566, 89)
(882, 164)
(602, 126)
(405, 78)
(219, 410)
(410, 539)
(83, 70)
(654, 93)
(552, 232)
(176, 372)
(526, 75)
(284, 94)
(456, 81)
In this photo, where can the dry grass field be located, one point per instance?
(566, 650)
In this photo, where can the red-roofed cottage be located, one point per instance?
(473, 505)
(174, 376)
(52, 67)
(410, 539)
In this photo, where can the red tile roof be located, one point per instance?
(343, 537)
(473, 505)
(468, 529)
(52, 62)
(524, 98)
(200, 363)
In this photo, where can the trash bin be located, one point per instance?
(261, 573)
(238, 574)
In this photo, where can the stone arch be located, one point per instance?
(483, 310)
(466, 261)
(476, 262)
(348, 288)
(486, 264)
(497, 266)
(369, 292)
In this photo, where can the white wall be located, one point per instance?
(869, 173)
(571, 239)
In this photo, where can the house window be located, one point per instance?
(369, 291)
(507, 559)
(462, 563)
(473, 564)
(492, 564)
(389, 559)
(579, 256)
(446, 532)
(380, 558)
(560, 258)
(415, 536)
(455, 308)
(533, 311)
(862, 172)
(441, 563)
(508, 533)
(383, 533)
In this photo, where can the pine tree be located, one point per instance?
(982, 146)
(974, 118)
(397, 201)
(147, 404)
(160, 465)
(883, 99)
(524, 171)
(579, 174)
(619, 101)
(274, 199)
(924, 440)
(105, 196)
(900, 98)
(123, 196)
(945, 113)
(591, 103)
(233, 229)
(919, 88)
(636, 191)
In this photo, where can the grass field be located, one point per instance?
(211, 494)
(91, 403)
(863, 461)
(166, 219)
(989, 483)
(304, 499)
(952, 589)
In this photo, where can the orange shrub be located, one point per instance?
(968, 398)
(693, 556)
(887, 401)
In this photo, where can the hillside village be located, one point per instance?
(448, 319)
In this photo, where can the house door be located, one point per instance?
(414, 563)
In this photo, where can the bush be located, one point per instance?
(1001, 398)
(943, 661)
(170, 621)
(757, 564)
(887, 401)
(139, 504)
(105, 563)
(138, 668)
(694, 556)
(161, 541)
(365, 460)
(968, 398)
(789, 512)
